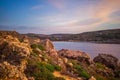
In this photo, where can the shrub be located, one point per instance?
(98, 77)
(99, 65)
(117, 74)
(34, 53)
(58, 68)
(41, 47)
(50, 67)
(112, 78)
(33, 46)
(41, 70)
(81, 72)
(44, 75)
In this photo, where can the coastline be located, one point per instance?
(98, 42)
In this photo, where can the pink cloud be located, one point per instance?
(104, 9)
(60, 4)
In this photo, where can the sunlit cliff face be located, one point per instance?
(59, 16)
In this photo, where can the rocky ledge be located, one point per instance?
(35, 59)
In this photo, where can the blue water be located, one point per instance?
(93, 49)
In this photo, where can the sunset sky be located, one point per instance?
(59, 16)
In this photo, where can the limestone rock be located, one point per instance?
(52, 52)
(48, 44)
(25, 39)
(108, 60)
(9, 71)
(76, 55)
(92, 78)
(13, 55)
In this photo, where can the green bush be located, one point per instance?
(34, 46)
(99, 77)
(99, 65)
(83, 73)
(58, 68)
(44, 75)
(41, 70)
(112, 78)
(34, 53)
(41, 47)
(50, 67)
(80, 71)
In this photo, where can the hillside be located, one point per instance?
(103, 36)
(33, 59)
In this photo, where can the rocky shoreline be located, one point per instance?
(34, 59)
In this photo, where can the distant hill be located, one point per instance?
(102, 36)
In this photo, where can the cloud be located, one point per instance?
(105, 8)
(59, 4)
(89, 22)
(6, 27)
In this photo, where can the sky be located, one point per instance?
(59, 16)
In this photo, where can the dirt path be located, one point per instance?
(57, 74)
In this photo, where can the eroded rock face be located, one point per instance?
(8, 71)
(48, 44)
(49, 48)
(108, 60)
(76, 55)
(13, 55)
(13, 52)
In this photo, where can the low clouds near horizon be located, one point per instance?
(59, 16)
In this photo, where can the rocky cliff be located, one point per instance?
(34, 59)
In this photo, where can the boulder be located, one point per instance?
(108, 60)
(76, 55)
(49, 48)
(92, 78)
(48, 44)
(25, 39)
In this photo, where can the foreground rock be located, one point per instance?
(13, 55)
(108, 60)
(48, 44)
(35, 59)
(76, 55)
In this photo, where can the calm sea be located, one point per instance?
(93, 49)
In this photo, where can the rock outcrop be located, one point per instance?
(35, 59)
(76, 55)
(48, 44)
(13, 55)
(108, 60)
(11, 72)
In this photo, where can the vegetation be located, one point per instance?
(101, 66)
(108, 36)
(34, 53)
(41, 47)
(117, 73)
(41, 70)
(98, 77)
(80, 71)
(57, 68)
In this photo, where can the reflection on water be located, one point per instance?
(93, 49)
